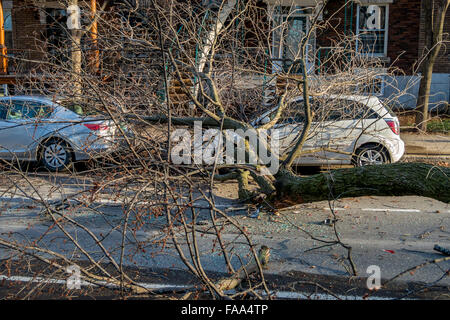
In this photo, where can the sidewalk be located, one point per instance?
(433, 145)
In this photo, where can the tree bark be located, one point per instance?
(76, 55)
(233, 281)
(399, 179)
(434, 26)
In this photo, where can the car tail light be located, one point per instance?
(393, 125)
(95, 126)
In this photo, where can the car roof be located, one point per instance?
(36, 98)
(371, 101)
(343, 97)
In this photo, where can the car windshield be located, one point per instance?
(391, 113)
(80, 108)
(24, 109)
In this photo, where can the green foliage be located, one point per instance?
(439, 125)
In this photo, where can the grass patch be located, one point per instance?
(439, 125)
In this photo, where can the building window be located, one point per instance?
(290, 26)
(7, 24)
(372, 29)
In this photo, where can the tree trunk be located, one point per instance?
(76, 64)
(400, 179)
(215, 29)
(75, 50)
(424, 96)
(434, 26)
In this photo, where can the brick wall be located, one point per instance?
(403, 30)
(27, 34)
(403, 36)
(340, 19)
(442, 64)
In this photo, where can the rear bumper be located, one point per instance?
(93, 148)
(396, 149)
(99, 147)
(93, 152)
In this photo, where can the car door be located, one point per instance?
(346, 121)
(5, 136)
(290, 127)
(20, 130)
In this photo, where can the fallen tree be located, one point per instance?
(170, 56)
(397, 179)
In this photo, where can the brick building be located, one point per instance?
(33, 29)
(392, 31)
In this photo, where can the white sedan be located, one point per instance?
(33, 128)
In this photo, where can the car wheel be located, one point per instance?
(370, 155)
(56, 155)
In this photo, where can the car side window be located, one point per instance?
(349, 110)
(27, 110)
(370, 114)
(16, 110)
(361, 111)
(327, 110)
(334, 110)
(40, 110)
(294, 113)
(3, 110)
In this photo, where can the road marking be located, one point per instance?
(108, 202)
(390, 209)
(149, 286)
(294, 295)
(320, 296)
(378, 209)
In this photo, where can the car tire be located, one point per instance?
(371, 154)
(56, 155)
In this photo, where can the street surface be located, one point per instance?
(393, 233)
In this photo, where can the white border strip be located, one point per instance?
(149, 286)
(378, 209)
(155, 286)
(391, 210)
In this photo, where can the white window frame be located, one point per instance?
(385, 29)
(278, 18)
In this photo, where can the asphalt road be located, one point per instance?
(393, 233)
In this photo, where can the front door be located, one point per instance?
(288, 38)
(295, 31)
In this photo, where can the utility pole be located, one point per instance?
(3, 58)
(95, 55)
(73, 24)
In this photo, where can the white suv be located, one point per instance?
(361, 129)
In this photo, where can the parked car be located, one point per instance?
(360, 128)
(33, 128)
